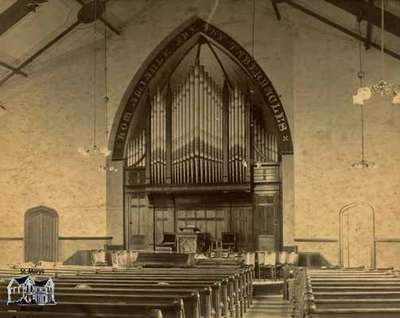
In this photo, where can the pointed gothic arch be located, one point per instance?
(165, 51)
(200, 131)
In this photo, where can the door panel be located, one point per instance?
(140, 223)
(164, 223)
(212, 221)
(41, 235)
(357, 234)
(242, 225)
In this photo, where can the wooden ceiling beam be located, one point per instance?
(339, 27)
(370, 13)
(16, 12)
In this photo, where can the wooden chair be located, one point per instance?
(229, 241)
(269, 265)
(168, 242)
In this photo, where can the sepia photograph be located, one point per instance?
(200, 158)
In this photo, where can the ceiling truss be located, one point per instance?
(363, 11)
(17, 14)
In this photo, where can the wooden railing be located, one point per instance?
(300, 293)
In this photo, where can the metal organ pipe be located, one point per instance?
(152, 147)
(187, 125)
(220, 139)
(201, 123)
(210, 131)
(179, 138)
(206, 128)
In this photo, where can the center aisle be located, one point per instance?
(271, 306)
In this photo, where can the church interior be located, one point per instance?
(201, 158)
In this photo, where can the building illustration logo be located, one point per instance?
(27, 291)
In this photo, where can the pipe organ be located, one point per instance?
(158, 138)
(200, 133)
(201, 151)
(197, 130)
(265, 144)
(135, 153)
(238, 133)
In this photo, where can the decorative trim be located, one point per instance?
(316, 240)
(11, 238)
(20, 238)
(64, 238)
(388, 240)
(172, 188)
(140, 83)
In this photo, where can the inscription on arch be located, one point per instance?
(237, 52)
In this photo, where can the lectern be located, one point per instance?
(186, 240)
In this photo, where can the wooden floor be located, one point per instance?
(271, 306)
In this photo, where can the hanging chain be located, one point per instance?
(106, 98)
(253, 27)
(382, 39)
(94, 78)
(361, 76)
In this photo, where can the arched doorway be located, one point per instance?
(357, 235)
(201, 132)
(41, 234)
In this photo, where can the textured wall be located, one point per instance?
(313, 68)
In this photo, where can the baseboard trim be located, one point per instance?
(65, 238)
(316, 240)
(62, 238)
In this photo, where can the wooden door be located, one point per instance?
(242, 224)
(357, 234)
(164, 223)
(267, 222)
(140, 223)
(41, 235)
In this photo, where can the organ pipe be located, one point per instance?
(199, 132)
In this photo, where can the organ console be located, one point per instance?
(211, 130)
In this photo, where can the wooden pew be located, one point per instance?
(208, 290)
(210, 293)
(230, 285)
(50, 314)
(241, 281)
(173, 309)
(191, 301)
(237, 292)
(223, 291)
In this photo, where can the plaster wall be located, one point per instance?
(313, 67)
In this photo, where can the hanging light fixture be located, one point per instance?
(94, 150)
(382, 87)
(253, 24)
(105, 151)
(362, 94)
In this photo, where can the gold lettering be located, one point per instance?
(272, 99)
(121, 136)
(275, 108)
(280, 118)
(127, 116)
(282, 126)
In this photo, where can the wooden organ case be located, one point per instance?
(202, 155)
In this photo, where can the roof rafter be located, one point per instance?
(339, 27)
(370, 13)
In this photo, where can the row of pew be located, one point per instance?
(201, 291)
(352, 293)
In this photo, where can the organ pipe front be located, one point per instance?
(200, 131)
